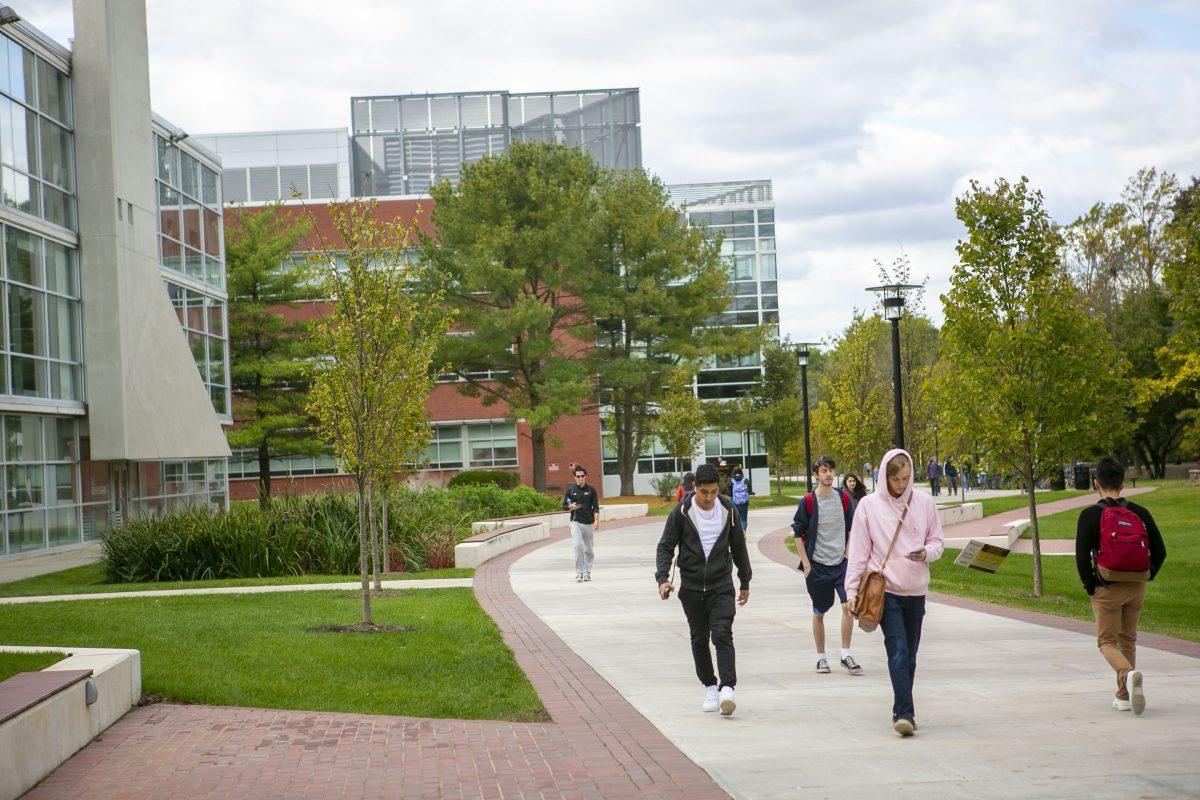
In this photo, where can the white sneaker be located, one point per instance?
(587, 576)
(727, 702)
(579, 577)
(1122, 705)
(1137, 698)
(710, 699)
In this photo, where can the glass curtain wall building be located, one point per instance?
(55, 495)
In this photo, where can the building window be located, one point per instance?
(43, 500)
(202, 318)
(492, 444)
(37, 158)
(445, 450)
(40, 344)
(189, 215)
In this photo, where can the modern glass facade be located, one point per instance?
(403, 144)
(192, 257)
(37, 147)
(54, 494)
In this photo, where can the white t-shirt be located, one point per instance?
(709, 524)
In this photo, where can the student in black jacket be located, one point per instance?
(707, 533)
(1114, 570)
(584, 504)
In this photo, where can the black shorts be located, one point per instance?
(822, 582)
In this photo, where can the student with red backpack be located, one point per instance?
(1118, 548)
(822, 523)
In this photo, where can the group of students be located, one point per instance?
(847, 534)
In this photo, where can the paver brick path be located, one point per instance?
(598, 746)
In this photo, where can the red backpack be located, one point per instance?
(1124, 542)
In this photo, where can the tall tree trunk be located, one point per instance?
(362, 549)
(1033, 533)
(375, 555)
(538, 438)
(264, 475)
(626, 457)
(387, 544)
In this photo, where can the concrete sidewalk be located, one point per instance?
(1007, 708)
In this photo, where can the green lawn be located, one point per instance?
(90, 578)
(253, 650)
(12, 663)
(998, 505)
(1172, 599)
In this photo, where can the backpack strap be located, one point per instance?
(808, 504)
(845, 499)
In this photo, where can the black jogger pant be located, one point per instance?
(710, 616)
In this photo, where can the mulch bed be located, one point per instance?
(360, 627)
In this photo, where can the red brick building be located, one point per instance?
(467, 434)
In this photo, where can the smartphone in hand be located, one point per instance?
(915, 554)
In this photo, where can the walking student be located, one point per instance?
(584, 504)
(1118, 549)
(704, 537)
(739, 493)
(951, 472)
(897, 530)
(688, 484)
(933, 471)
(822, 521)
(855, 486)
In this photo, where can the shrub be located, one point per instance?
(481, 477)
(665, 485)
(315, 534)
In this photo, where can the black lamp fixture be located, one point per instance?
(802, 354)
(892, 296)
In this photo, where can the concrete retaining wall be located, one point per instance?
(36, 741)
(563, 519)
(487, 545)
(952, 515)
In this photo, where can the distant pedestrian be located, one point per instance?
(951, 475)
(855, 486)
(874, 478)
(1118, 549)
(933, 471)
(822, 523)
(868, 473)
(584, 504)
(739, 493)
(897, 531)
(689, 483)
(707, 533)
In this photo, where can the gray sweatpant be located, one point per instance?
(581, 537)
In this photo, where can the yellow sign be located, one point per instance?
(980, 556)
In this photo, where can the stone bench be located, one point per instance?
(47, 716)
(1016, 529)
(561, 519)
(26, 689)
(481, 547)
(954, 513)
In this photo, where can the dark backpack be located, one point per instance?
(1124, 541)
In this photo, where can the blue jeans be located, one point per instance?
(743, 510)
(901, 626)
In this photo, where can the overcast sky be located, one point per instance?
(870, 117)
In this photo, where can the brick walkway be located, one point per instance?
(598, 746)
(774, 546)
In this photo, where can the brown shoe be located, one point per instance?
(904, 726)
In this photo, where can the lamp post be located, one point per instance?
(802, 352)
(892, 295)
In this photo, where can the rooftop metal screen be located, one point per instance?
(403, 144)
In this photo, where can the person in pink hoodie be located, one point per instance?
(906, 573)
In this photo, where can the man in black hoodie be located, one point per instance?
(707, 531)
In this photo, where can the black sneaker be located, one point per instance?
(851, 665)
(822, 666)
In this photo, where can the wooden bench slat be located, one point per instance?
(26, 689)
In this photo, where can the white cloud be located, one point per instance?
(870, 117)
